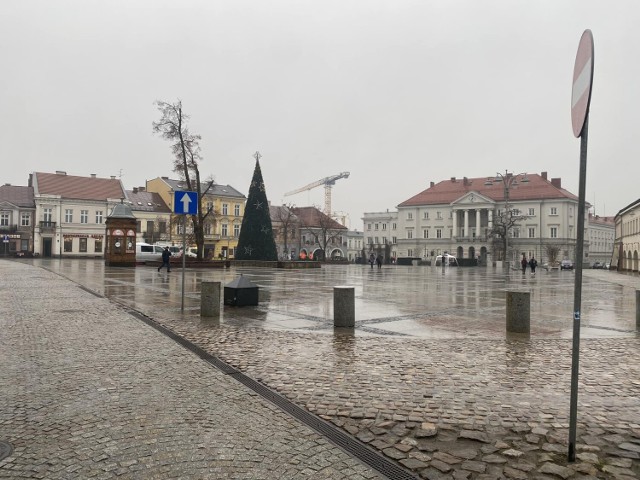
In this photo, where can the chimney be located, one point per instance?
(556, 182)
(135, 189)
(432, 184)
(60, 172)
(93, 175)
(30, 184)
(142, 189)
(113, 177)
(165, 178)
(465, 181)
(544, 175)
(453, 179)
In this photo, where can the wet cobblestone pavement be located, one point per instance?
(428, 377)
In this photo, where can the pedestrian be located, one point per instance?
(524, 262)
(372, 259)
(166, 255)
(379, 261)
(533, 263)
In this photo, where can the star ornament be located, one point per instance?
(258, 205)
(248, 250)
(265, 229)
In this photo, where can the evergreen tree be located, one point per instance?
(256, 240)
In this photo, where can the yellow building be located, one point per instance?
(222, 226)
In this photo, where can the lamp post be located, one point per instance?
(509, 181)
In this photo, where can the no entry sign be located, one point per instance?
(582, 81)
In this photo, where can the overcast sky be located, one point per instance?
(398, 93)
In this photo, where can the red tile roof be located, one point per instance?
(312, 217)
(81, 188)
(448, 191)
(18, 196)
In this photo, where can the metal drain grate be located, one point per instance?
(340, 438)
(5, 450)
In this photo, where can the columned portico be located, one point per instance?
(466, 223)
(477, 222)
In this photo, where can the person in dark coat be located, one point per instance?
(379, 261)
(372, 259)
(524, 262)
(533, 263)
(166, 255)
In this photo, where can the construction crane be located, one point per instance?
(328, 182)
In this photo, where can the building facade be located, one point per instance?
(381, 235)
(153, 216)
(221, 229)
(17, 214)
(320, 237)
(627, 241)
(457, 216)
(70, 213)
(601, 236)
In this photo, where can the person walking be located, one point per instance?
(524, 262)
(533, 263)
(166, 255)
(372, 259)
(379, 261)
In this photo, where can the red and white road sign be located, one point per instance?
(582, 82)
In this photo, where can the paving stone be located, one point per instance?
(556, 470)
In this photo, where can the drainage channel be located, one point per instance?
(343, 440)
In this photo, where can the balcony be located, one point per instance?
(46, 226)
(8, 229)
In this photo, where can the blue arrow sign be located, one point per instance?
(186, 203)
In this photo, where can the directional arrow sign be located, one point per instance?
(186, 203)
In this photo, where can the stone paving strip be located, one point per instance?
(89, 392)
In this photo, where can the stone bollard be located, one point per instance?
(637, 309)
(518, 312)
(344, 308)
(210, 299)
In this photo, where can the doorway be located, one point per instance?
(46, 247)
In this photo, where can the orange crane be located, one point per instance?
(328, 182)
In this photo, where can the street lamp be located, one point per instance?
(509, 181)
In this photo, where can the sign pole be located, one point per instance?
(580, 102)
(184, 255)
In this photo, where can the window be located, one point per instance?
(47, 215)
(368, 226)
(375, 240)
(515, 233)
(84, 217)
(438, 233)
(236, 231)
(532, 212)
(553, 232)
(393, 226)
(25, 219)
(553, 211)
(532, 232)
(225, 209)
(409, 216)
(409, 233)
(209, 206)
(394, 240)
(375, 226)
(68, 216)
(236, 210)
(225, 229)
(83, 244)
(426, 215)
(425, 233)
(515, 211)
(162, 227)
(369, 240)
(97, 247)
(4, 219)
(384, 240)
(410, 253)
(99, 218)
(384, 226)
(439, 215)
(207, 228)
(68, 244)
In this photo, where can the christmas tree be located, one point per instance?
(256, 240)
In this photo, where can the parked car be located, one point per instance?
(607, 266)
(597, 265)
(146, 252)
(448, 260)
(566, 265)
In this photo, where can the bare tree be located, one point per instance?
(288, 222)
(185, 146)
(503, 223)
(552, 252)
(325, 231)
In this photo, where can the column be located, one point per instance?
(455, 224)
(466, 224)
(490, 219)
(477, 223)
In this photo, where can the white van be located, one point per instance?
(146, 252)
(449, 260)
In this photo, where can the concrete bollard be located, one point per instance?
(518, 312)
(210, 299)
(637, 309)
(344, 307)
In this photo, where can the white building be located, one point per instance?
(381, 234)
(152, 214)
(70, 213)
(601, 236)
(627, 242)
(456, 216)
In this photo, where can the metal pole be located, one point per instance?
(577, 294)
(507, 220)
(184, 255)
